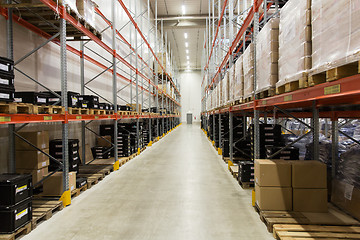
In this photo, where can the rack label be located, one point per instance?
(96, 117)
(332, 89)
(47, 118)
(78, 117)
(288, 98)
(20, 189)
(5, 119)
(264, 102)
(21, 214)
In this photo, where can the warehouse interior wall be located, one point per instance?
(190, 90)
(44, 66)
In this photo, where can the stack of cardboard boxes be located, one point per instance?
(298, 186)
(28, 159)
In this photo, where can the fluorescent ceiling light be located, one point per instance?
(188, 62)
(187, 57)
(186, 44)
(185, 35)
(183, 9)
(187, 51)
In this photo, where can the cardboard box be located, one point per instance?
(40, 139)
(273, 198)
(308, 174)
(310, 200)
(102, 142)
(53, 186)
(346, 197)
(31, 159)
(272, 173)
(37, 175)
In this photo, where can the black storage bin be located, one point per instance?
(92, 101)
(6, 81)
(80, 182)
(6, 66)
(107, 130)
(123, 108)
(83, 104)
(72, 98)
(35, 98)
(56, 144)
(14, 217)
(14, 188)
(101, 152)
(7, 94)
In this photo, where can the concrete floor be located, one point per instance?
(177, 189)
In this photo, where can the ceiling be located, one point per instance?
(176, 25)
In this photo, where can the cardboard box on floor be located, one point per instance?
(347, 197)
(272, 173)
(53, 186)
(310, 200)
(37, 175)
(40, 139)
(273, 198)
(31, 159)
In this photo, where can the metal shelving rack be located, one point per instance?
(333, 100)
(135, 78)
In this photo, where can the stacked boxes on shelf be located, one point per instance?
(225, 89)
(295, 46)
(28, 159)
(6, 80)
(15, 202)
(101, 152)
(246, 172)
(72, 98)
(248, 68)
(231, 84)
(290, 153)
(270, 136)
(56, 151)
(36, 98)
(267, 54)
(88, 101)
(238, 87)
(86, 9)
(54, 185)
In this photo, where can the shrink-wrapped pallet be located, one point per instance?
(231, 83)
(238, 87)
(248, 64)
(225, 89)
(294, 41)
(267, 52)
(86, 9)
(335, 33)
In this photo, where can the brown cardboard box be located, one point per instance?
(37, 175)
(102, 142)
(308, 174)
(346, 197)
(273, 198)
(40, 139)
(310, 200)
(31, 159)
(53, 186)
(272, 173)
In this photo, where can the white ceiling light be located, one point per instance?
(188, 62)
(185, 35)
(186, 44)
(187, 57)
(183, 9)
(187, 51)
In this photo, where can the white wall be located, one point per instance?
(190, 89)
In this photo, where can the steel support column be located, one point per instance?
(82, 83)
(256, 111)
(334, 146)
(114, 77)
(315, 128)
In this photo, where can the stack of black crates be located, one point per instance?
(270, 136)
(15, 201)
(7, 89)
(56, 149)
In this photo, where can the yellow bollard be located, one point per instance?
(230, 163)
(116, 165)
(66, 198)
(253, 198)
(219, 151)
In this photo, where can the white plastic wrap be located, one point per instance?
(248, 63)
(294, 41)
(267, 52)
(238, 87)
(225, 89)
(231, 83)
(335, 32)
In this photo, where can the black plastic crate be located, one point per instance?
(7, 94)
(83, 104)
(103, 106)
(56, 144)
(107, 130)
(14, 188)
(80, 182)
(14, 217)
(101, 152)
(123, 108)
(35, 98)
(6, 80)
(93, 101)
(72, 98)
(6, 66)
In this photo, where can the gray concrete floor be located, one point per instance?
(177, 189)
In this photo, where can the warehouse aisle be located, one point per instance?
(177, 189)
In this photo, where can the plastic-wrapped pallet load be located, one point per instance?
(267, 53)
(86, 9)
(231, 83)
(294, 45)
(335, 34)
(225, 89)
(248, 64)
(238, 86)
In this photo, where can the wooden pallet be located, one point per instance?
(334, 217)
(79, 111)
(16, 108)
(321, 75)
(266, 93)
(293, 85)
(124, 113)
(94, 168)
(109, 112)
(19, 233)
(97, 112)
(295, 231)
(48, 110)
(248, 99)
(43, 210)
(246, 185)
(76, 192)
(92, 179)
(234, 170)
